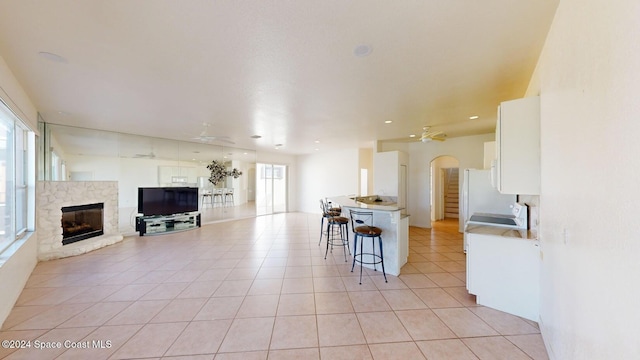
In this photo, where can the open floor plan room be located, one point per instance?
(260, 288)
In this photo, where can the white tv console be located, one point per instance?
(153, 225)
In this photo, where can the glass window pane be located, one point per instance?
(7, 233)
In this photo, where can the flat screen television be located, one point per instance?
(154, 201)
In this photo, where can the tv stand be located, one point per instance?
(154, 225)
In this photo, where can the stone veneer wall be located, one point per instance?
(52, 196)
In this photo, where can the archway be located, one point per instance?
(444, 187)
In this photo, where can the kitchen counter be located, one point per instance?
(499, 231)
(389, 218)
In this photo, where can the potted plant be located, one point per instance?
(219, 172)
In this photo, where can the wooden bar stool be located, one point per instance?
(362, 227)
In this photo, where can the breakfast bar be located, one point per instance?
(388, 217)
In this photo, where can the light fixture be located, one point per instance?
(425, 139)
(473, 117)
(388, 122)
(412, 135)
(317, 141)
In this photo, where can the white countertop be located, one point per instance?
(500, 231)
(346, 201)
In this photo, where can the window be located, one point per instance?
(14, 178)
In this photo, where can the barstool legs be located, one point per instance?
(360, 256)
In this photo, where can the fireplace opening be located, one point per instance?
(82, 222)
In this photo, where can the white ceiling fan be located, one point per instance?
(206, 138)
(428, 135)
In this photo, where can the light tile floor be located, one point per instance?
(255, 289)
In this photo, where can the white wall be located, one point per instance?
(18, 261)
(469, 152)
(327, 174)
(589, 79)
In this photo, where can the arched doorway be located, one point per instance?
(444, 188)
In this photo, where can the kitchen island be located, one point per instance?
(388, 217)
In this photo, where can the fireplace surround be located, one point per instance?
(53, 196)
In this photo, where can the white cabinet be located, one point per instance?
(504, 273)
(489, 154)
(518, 146)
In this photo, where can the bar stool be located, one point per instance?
(228, 194)
(218, 194)
(336, 236)
(362, 227)
(207, 198)
(326, 214)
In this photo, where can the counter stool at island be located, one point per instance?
(327, 212)
(337, 229)
(362, 227)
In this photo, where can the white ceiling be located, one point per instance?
(285, 70)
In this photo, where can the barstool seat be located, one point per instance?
(339, 236)
(362, 227)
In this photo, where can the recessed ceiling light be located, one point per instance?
(473, 117)
(52, 57)
(362, 50)
(412, 135)
(388, 122)
(317, 141)
(256, 136)
(245, 153)
(317, 149)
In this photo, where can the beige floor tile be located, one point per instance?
(424, 325)
(464, 323)
(452, 349)
(293, 272)
(200, 337)
(20, 314)
(22, 335)
(52, 317)
(154, 277)
(417, 281)
(333, 303)
(140, 312)
(250, 355)
(93, 294)
(328, 284)
(131, 292)
(96, 315)
(179, 310)
(402, 299)
(393, 282)
(199, 289)
(495, 347)
(461, 294)
(339, 329)
(292, 332)
(445, 279)
(73, 335)
(220, 308)
(382, 327)
(352, 283)
(152, 340)
(248, 335)
(297, 285)
(505, 324)
(103, 342)
(365, 301)
(352, 352)
(165, 291)
(399, 350)
(243, 273)
(532, 345)
(428, 267)
(214, 274)
(294, 354)
(436, 298)
(266, 287)
(233, 288)
(275, 272)
(258, 306)
(297, 304)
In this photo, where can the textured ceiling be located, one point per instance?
(284, 70)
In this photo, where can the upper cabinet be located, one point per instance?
(518, 147)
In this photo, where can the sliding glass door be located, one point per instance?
(271, 189)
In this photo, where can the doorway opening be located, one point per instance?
(444, 188)
(271, 189)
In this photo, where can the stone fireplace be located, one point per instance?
(68, 213)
